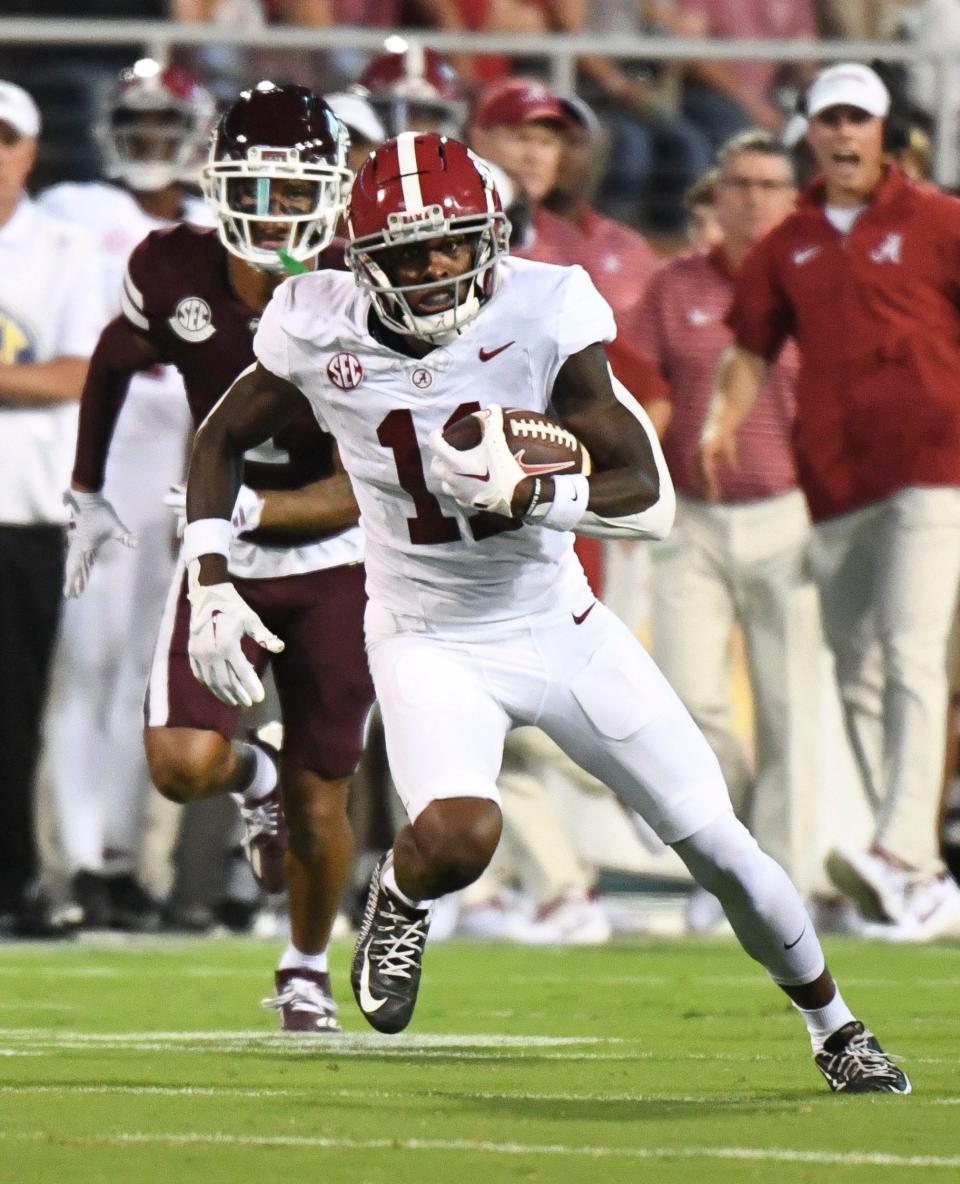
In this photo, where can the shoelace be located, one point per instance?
(868, 1061)
(400, 944)
(262, 818)
(302, 995)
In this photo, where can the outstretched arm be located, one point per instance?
(119, 354)
(256, 407)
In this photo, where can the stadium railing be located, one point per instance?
(158, 38)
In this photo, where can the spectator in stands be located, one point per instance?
(656, 153)
(49, 323)
(864, 276)
(619, 260)
(723, 98)
(700, 202)
(861, 20)
(740, 559)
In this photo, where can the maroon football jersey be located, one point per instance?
(177, 295)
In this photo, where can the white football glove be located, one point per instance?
(219, 620)
(481, 478)
(246, 509)
(93, 522)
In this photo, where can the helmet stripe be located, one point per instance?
(416, 60)
(409, 177)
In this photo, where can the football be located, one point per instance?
(541, 446)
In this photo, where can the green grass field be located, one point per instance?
(659, 1060)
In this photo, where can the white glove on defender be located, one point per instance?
(219, 620)
(482, 478)
(93, 522)
(246, 509)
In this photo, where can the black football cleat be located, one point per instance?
(304, 1001)
(853, 1062)
(386, 960)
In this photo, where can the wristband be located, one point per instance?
(528, 513)
(206, 536)
(570, 495)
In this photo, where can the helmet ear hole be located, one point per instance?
(277, 175)
(420, 188)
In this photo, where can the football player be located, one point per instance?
(153, 133)
(277, 181)
(480, 618)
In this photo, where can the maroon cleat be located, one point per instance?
(304, 1001)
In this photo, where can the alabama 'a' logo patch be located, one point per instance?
(345, 371)
(192, 319)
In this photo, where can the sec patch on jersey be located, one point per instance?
(540, 444)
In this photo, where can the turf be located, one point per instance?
(661, 1060)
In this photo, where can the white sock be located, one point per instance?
(390, 880)
(822, 1022)
(293, 959)
(263, 779)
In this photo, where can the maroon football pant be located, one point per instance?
(321, 677)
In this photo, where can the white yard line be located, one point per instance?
(415, 1097)
(871, 1159)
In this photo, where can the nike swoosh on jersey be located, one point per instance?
(583, 616)
(368, 1002)
(486, 354)
(534, 470)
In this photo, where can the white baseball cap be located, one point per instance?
(19, 110)
(849, 85)
(357, 115)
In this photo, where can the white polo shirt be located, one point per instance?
(51, 306)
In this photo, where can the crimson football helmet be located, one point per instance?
(154, 126)
(412, 189)
(277, 175)
(415, 89)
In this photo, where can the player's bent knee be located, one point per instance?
(185, 763)
(456, 838)
(723, 857)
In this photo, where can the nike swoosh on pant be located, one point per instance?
(790, 945)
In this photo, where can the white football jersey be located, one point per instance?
(427, 557)
(114, 218)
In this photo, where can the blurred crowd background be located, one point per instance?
(608, 161)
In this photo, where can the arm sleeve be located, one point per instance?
(761, 316)
(82, 312)
(583, 318)
(655, 521)
(119, 353)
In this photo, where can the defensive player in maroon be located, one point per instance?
(277, 180)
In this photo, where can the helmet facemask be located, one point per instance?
(272, 201)
(369, 258)
(154, 130)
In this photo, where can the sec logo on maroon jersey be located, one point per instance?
(344, 370)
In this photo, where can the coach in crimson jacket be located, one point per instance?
(866, 277)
